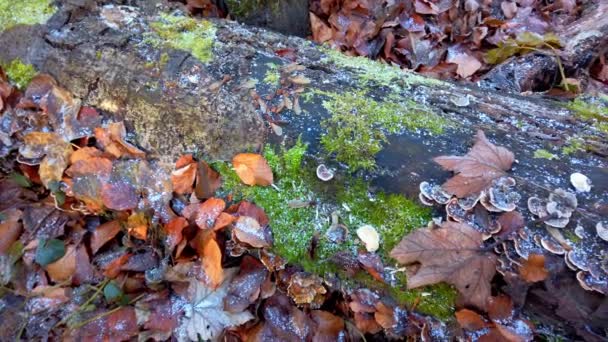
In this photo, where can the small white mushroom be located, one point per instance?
(580, 182)
(602, 231)
(370, 237)
(323, 173)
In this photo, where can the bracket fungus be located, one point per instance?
(557, 210)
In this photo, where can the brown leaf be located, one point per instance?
(10, 229)
(501, 333)
(211, 256)
(112, 139)
(102, 167)
(223, 221)
(467, 63)
(249, 231)
(112, 269)
(103, 234)
(329, 327)
(249, 209)
(372, 263)
(137, 225)
(183, 177)
(207, 181)
(533, 269)
(252, 169)
(510, 223)
(119, 195)
(478, 168)
(321, 32)
(174, 229)
(306, 288)
(452, 254)
(470, 320)
(85, 153)
(245, 288)
(500, 308)
(63, 268)
(205, 214)
(55, 150)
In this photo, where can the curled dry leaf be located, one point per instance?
(476, 170)
(53, 148)
(452, 254)
(470, 320)
(184, 175)
(533, 269)
(249, 231)
(63, 268)
(252, 169)
(103, 234)
(10, 229)
(174, 229)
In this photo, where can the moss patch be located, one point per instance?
(178, 32)
(25, 12)
(293, 228)
(358, 125)
(19, 73)
(272, 75)
(596, 113)
(544, 154)
(245, 8)
(370, 71)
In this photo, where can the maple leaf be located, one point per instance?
(205, 318)
(452, 254)
(477, 169)
(252, 169)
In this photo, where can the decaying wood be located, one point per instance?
(215, 108)
(584, 40)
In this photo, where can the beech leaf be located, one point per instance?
(533, 269)
(452, 254)
(476, 170)
(252, 169)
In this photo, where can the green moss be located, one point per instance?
(25, 12)
(370, 71)
(98, 54)
(194, 36)
(272, 76)
(244, 8)
(293, 228)
(19, 73)
(573, 145)
(358, 125)
(164, 59)
(597, 114)
(544, 154)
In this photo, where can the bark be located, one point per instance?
(584, 40)
(210, 108)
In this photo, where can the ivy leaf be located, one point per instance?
(477, 169)
(49, 251)
(452, 254)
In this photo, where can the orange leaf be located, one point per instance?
(103, 234)
(223, 221)
(173, 229)
(249, 231)
(112, 270)
(183, 177)
(85, 153)
(10, 229)
(533, 269)
(137, 224)
(205, 214)
(500, 307)
(212, 260)
(63, 268)
(470, 320)
(252, 169)
(207, 181)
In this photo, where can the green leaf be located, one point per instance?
(16, 251)
(49, 251)
(21, 180)
(552, 39)
(59, 195)
(113, 293)
(529, 39)
(502, 52)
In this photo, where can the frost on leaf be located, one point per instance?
(205, 318)
(452, 254)
(476, 170)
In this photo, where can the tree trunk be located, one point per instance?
(233, 98)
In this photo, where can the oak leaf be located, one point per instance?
(452, 254)
(476, 170)
(252, 169)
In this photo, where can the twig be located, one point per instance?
(104, 314)
(85, 304)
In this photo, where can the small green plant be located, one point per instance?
(178, 32)
(19, 73)
(544, 154)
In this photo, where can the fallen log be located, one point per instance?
(215, 88)
(584, 40)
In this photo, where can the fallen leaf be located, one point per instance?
(64, 268)
(533, 269)
(321, 32)
(452, 254)
(137, 225)
(49, 251)
(112, 140)
(245, 288)
(85, 153)
(252, 169)
(222, 221)
(174, 229)
(211, 256)
(10, 229)
(329, 327)
(476, 170)
(103, 234)
(500, 308)
(184, 176)
(53, 148)
(306, 288)
(470, 320)
(207, 181)
(249, 231)
(251, 210)
(205, 317)
(467, 63)
(510, 223)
